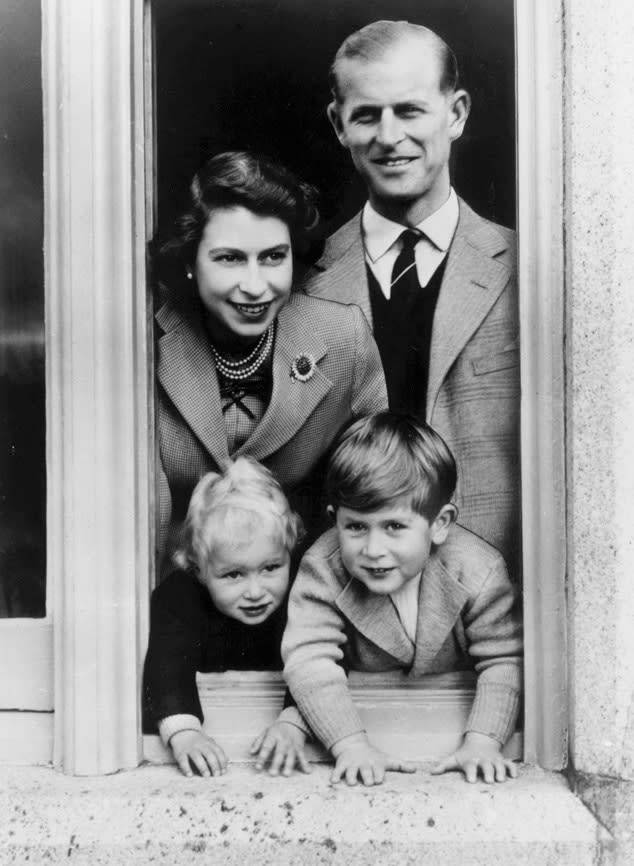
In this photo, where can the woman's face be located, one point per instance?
(244, 272)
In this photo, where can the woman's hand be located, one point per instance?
(282, 747)
(479, 754)
(355, 757)
(193, 749)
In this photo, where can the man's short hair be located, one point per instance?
(387, 457)
(371, 43)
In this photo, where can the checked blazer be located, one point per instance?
(473, 392)
(301, 421)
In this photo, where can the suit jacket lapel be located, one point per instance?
(472, 283)
(441, 599)
(187, 373)
(375, 617)
(292, 402)
(343, 274)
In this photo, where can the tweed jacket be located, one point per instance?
(302, 418)
(467, 620)
(473, 392)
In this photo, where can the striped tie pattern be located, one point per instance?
(404, 275)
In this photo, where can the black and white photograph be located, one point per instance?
(316, 476)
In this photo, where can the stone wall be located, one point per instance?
(599, 222)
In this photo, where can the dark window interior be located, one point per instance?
(252, 74)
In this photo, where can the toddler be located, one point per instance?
(224, 607)
(398, 585)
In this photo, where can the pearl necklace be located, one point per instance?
(242, 369)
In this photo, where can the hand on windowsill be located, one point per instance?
(479, 755)
(281, 746)
(194, 751)
(356, 758)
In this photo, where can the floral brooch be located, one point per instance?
(303, 368)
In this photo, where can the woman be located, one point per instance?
(244, 365)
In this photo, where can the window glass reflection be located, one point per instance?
(22, 397)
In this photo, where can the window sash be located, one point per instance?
(431, 713)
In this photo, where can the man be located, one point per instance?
(436, 281)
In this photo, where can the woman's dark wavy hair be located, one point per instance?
(241, 179)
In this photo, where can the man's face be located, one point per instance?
(398, 127)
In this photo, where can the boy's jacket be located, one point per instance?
(467, 620)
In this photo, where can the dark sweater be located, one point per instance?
(402, 330)
(188, 634)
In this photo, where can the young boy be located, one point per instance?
(397, 585)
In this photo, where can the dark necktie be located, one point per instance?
(402, 329)
(404, 283)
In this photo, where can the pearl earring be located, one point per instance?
(190, 276)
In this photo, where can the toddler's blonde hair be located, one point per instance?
(244, 493)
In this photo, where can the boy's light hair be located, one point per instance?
(390, 456)
(244, 494)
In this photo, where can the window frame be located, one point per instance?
(97, 72)
(540, 209)
(540, 163)
(99, 376)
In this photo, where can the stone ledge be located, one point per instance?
(155, 815)
(612, 802)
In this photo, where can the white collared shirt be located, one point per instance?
(405, 600)
(382, 245)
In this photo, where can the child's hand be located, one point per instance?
(283, 745)
(197, 749)
(479, 753)
(356, 757)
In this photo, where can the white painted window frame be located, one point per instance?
(101, 422)
(540, 161)
(99, 416)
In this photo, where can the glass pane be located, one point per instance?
(22, 398)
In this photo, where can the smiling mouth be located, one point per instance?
(378, 572)
(255, 610)
(394, 161)
(251, 311)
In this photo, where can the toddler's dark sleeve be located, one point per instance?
(177, 634)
